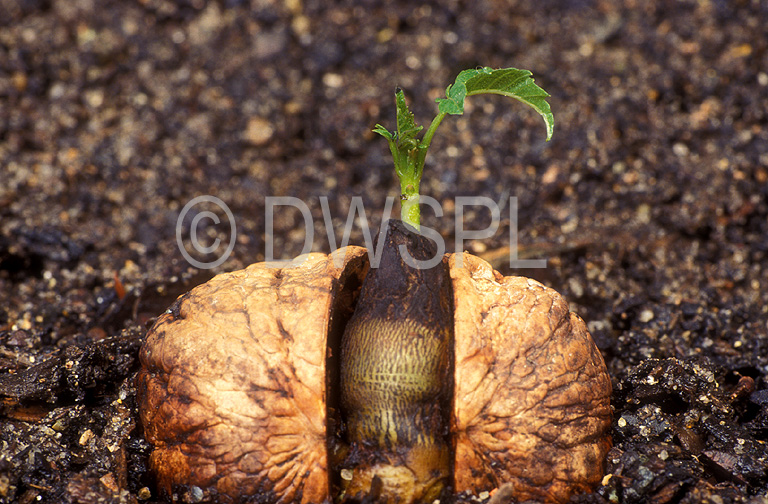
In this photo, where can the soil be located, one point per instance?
(650, 203)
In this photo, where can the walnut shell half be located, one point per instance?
(235, 393)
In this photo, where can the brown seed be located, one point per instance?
(396, 375)
(236, 385)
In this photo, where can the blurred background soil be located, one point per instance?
(650, 203)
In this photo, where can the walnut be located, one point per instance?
(238, 388)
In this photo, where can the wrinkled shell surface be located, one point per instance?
(531, 398)
(233, 382)
(232, 388)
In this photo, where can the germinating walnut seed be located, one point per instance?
(237, 391)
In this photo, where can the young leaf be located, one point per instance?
(456, 92)
(381, 130)
(406, 124)
(408, 154)
(403, 140)
(510, 82)
(407, 151)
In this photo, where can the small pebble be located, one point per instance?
(259, 131)
(196, 494)
(680, 149)
(575, 287)
(85, 437)
(108, 480)
(646, 316)
(333, 80)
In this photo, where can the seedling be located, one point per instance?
(342, 382)
(410, 152)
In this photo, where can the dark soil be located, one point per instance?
(650, 203)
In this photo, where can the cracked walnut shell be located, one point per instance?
(236, 391)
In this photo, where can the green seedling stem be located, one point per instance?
(409, 152)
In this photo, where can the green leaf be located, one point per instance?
(381, 130)
(510, 82)
(403, 140)
(408, 155)
(456, 92)
(407, 129)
